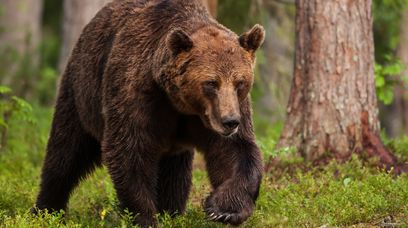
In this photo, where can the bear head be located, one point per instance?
(210, 74)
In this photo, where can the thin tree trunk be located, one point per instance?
(211, 5)
(278, 49)
(332, 110)
(20, 35)
(400, 105)
(77, 13)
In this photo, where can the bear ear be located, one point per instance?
(178, 41)
(252, 39)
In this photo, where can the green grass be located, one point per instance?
(336, 195)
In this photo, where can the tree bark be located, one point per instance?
(211, 5)
(20, 35)
(332, 110)
(77, 13)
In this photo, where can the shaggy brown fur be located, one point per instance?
(147, 82)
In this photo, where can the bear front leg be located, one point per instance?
(175, 182)
(133, 167)
(235, 169)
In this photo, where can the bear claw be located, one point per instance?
(213, 216)
(218, 216)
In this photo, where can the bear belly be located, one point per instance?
(179, 148)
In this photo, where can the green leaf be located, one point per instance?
(4, 90)
(377, 68)
(3, 123)
(346, 181)
(379, 81)
(393, 69)
(388, 96)
(22, 105)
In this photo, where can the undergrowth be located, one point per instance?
(335, 195)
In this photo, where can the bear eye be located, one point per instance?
(240, 85)
(211, 84)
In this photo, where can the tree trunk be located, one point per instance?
(20, 35)
(333, 105)
(77, 13)
(275, 79)
(211, 5)
(399, 118)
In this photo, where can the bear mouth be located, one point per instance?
(229, 133)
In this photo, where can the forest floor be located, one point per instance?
(335, 195)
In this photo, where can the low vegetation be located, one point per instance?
(293, 194)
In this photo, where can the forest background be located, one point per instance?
(36, 37)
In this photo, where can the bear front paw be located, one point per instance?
(228, 207)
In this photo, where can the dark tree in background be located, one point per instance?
(20, 35)
(333, 105)
(400, 105)
(275, 63)
(77, 13)
(391, 46)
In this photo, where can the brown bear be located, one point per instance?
(149, 82)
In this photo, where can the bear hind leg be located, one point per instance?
(71, 155)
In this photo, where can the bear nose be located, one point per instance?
(230, 123)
